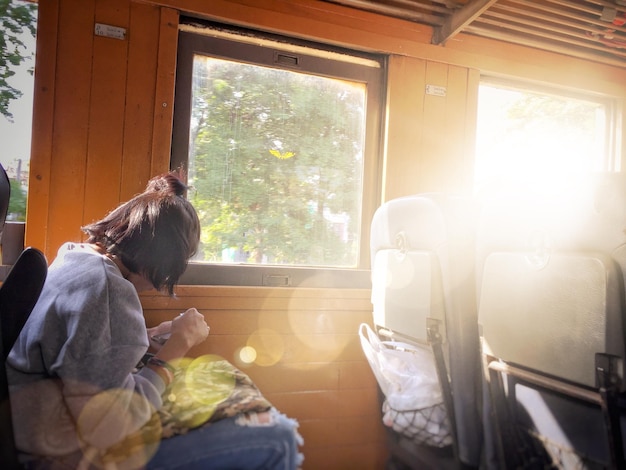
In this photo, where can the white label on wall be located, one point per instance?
(109, 31)
(435, 90)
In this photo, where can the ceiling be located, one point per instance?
(590, 29)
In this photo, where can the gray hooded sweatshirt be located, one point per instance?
(71, 371)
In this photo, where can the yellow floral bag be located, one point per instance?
(204, 390)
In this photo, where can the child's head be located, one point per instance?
(153, 234)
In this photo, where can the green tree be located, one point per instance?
(553, 114)
(275, 156)
(17, 203)
(17, 17)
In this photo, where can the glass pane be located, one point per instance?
(532, 138)
(17, 62)
(276, 165)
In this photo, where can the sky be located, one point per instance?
(15, 137)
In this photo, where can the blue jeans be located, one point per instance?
(233, 444)
(237, 443)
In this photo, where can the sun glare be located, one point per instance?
(533, 142)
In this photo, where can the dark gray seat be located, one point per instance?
(423, 292)
(5, 195)
(18, 295)
(551, 315)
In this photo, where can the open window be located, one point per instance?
(280, 140)
(532, 137)
(17, 62)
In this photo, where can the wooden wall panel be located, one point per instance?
(164, 91)
(434, 149)
(455, 171)
(428, 133)
(313, 19)
(43, 125)
(405, 124)
(464, 146)
(140, 97)
(150, 87)
(102, 139)
(106, 112)
(317, 372)
(102, 123)
(71, 121)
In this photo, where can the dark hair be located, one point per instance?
(154, 234)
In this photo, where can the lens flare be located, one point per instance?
(204, 386)
(105, 418)
(268, 345)
(247, 355)
(320, 334)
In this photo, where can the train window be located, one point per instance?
(280, 141)
(531, 137)
(17, 62)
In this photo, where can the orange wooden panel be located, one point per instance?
(458, 169)
(338, 432)
(43, 123)
(286, 349)
(356, 375)
(495, 57)
(473, 82)
(106, 113)
(309, 322)
(288, 378)
(362, 457)
(405, 126)
(256, 300)
(340, 25)
(140, 95)
(327, 403)
(322, 347)
(433, 150)
(226, 322)
(164, 91)
(313, 19)
(71, 122)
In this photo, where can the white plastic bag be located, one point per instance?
(407, 376)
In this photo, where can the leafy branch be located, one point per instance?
(16, 18)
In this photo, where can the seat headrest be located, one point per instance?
(425, 221)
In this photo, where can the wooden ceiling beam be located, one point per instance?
(396, 12)
(586, 43)
(461, 18)
(551, 23)
(605, 58)
(571, 14)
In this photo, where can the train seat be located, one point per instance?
(550, 311)
(423, 292)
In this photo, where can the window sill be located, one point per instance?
(275, 276)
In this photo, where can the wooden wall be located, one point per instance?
(103, 107)
(311, 364)
(103, 114)
(102, 126)
(430, 138)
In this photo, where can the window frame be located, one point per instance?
(253, 47)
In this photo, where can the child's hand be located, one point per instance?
(158, 335)
(189, 327)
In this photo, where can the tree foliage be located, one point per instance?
(17, 203)
(548, 111)
(276, 165)
(16, 18)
